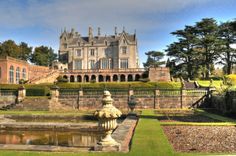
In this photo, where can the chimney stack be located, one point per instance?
(115, 31)
(99, 31)
(90, 34)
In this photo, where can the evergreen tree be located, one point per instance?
(43, 56)
(227, 37)
(154, 59)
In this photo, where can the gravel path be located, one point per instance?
(207, 139)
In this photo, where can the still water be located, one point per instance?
(56, 138)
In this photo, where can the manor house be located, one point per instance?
(117, 51)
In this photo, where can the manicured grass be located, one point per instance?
(206, 83)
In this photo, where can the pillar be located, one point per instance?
(54, 91)
(157, 99)
(21, 94)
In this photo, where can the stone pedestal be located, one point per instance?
(21, 94)
(107, 122)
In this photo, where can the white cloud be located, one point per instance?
(81, 13)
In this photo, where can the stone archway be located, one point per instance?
(93, 78)
(130, 77)
(86, 78)
(100, 78)
(108, 78)
(137, 77)
(79, 78)
(72, 78)
(115, 78)
(122, 78)
(65, 77)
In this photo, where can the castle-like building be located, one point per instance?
(118, 51)
(112, 58)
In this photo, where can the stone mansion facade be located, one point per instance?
(118, 51)
(112, 58)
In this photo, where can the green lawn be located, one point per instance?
(148, 140)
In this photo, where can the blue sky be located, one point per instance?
(39, 22)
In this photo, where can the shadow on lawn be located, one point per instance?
(148, 116)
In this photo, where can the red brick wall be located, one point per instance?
(159, 74)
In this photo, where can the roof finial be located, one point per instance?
(115, 30)
(99, 31)
(90, 33)
(123, 29)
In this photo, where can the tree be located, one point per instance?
(227, 36)
(24, 51)
(206, 31)
(43, 56)
(184, 53)
(9, 48)
(154, 59)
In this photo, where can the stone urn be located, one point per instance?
(132, 103)
(107, 120)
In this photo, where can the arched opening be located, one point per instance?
(115, 78)
(145, 75)
(24, 73)
(86, 78)
(108, 78)
(100, 78)
(79, 78)
(130, 77)
(55, 67)
(17, 74)
(93, 78)
(137, 77)
(122, 78)
(65, 77)
(11, 74)
(72, 78)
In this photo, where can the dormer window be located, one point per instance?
(78, 43)
(106, 43)
(92, 43)
(124, 41)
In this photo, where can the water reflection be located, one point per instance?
(70, 139)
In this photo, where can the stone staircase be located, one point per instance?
(7, 102)
(48, 78)
(33, 104)
(189, 85)
(71, 102)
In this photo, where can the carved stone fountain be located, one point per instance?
(107, 122)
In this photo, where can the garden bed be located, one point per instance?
(187, 118)
(205, 139)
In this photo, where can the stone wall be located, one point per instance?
(159, 74)
(155, 101)
(7, 100)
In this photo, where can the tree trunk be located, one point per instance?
(229, 65)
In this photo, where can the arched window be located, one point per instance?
(11, 74)
(17, 74)
(24, 74)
